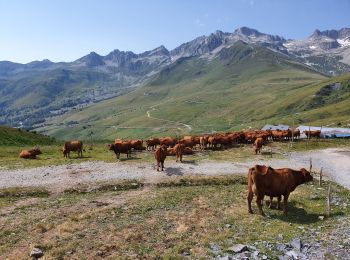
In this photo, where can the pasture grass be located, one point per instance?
(52, 154)
(172, 220)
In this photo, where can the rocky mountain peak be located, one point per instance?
(92, 59)
(159, 51)
(333, 34)
(247, 31)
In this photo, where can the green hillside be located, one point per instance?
(243, 86)
(11, 136)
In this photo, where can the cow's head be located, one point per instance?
(306, 175)
(65, 152)
(36, 151)
(261, 169)
(111, 147)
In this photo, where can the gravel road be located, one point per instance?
(335, 163)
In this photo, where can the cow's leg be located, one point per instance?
(259, 199)
(180, 157)
(162, 162)
(279, 202)
(285, 201)
(249, 199)
(271, 199)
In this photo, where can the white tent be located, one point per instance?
(324, 130)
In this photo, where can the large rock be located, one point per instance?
(296, 244)
(239, 248)
(36, 253)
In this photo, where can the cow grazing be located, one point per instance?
(179, 151)
(152, 143)
(188, 151)
(137, 144)
(123, 147)
(296, 133)
(30, 154)
(160, 155)
(188, 141)
(168, 141)
(258, 143)
(310, 134)
(73, 146)
(263, 180)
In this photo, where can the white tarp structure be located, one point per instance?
(325, 131)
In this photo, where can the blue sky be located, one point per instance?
(64, 30)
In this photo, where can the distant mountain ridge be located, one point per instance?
(31, 92)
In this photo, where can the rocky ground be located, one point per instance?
(335, 245)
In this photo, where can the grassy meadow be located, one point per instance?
(52, 154)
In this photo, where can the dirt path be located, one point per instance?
(335, 164)
(153, 108)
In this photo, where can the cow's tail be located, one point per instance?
(250, 180)
(250, 194)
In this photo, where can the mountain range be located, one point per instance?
(34, 94)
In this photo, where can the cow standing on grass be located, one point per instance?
(258, 143)
(179, 151)
(160, 155)
(121, 147)
(263, 180)
(73, 146)
(30, 154)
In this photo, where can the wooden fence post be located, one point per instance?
(320, 182)
(328, 210)
(310, 165)
(271, 151)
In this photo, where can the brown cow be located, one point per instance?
(203, 142)
(123, 147)
(258, 145)
(310, 134)
(152, 143)
(187, 143)
(263, 180)
(179, 151)
(30, 154)
(168, 141)
(137, 144)
(75, 146)
(296, 133)
(160, 155)
(170, 152)
(188, 151)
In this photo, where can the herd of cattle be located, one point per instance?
(262, 180)
(172, 146)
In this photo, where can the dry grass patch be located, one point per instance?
(172, 220)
